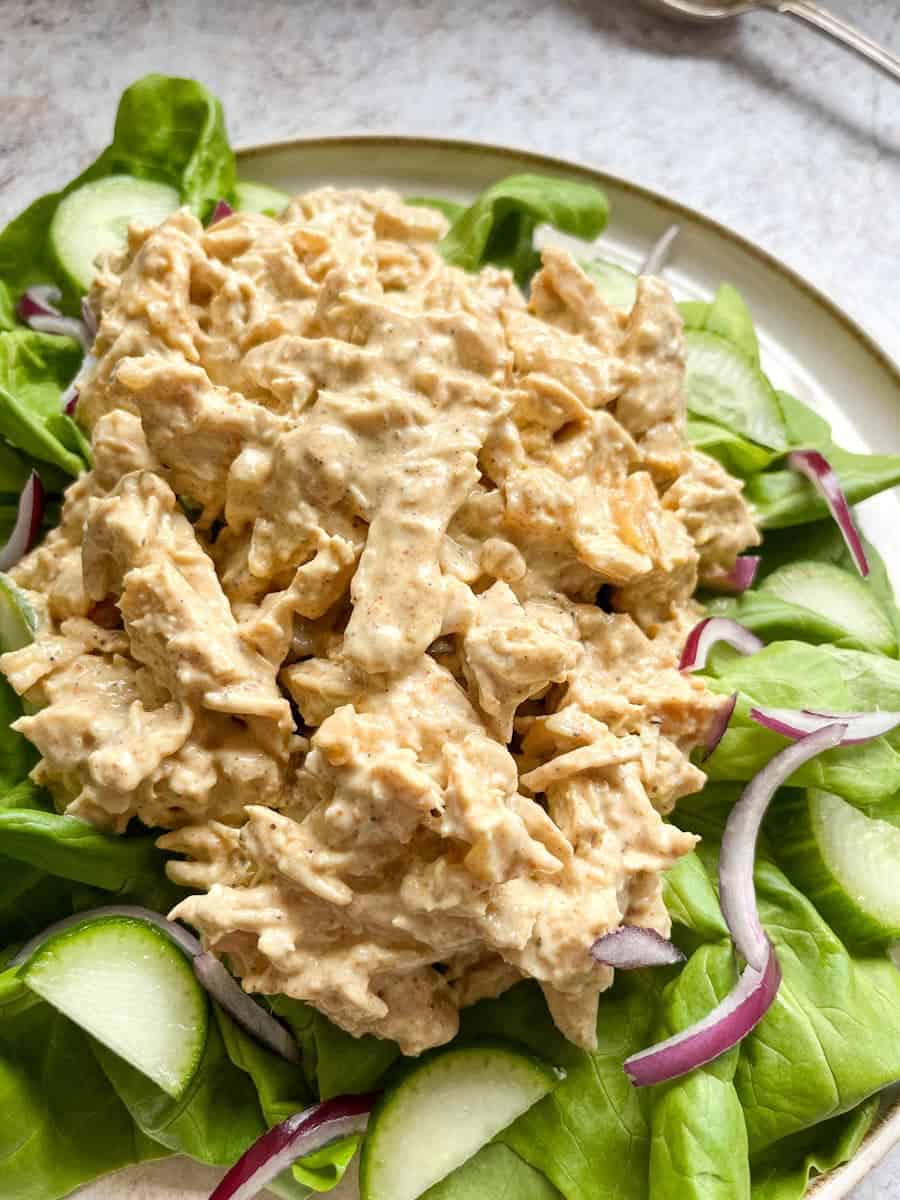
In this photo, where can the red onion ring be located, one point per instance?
(68, 401)
(718, 725)
(294, 1138)
(37, 309)
(728, 1023)
(819, 471)
(229, 994)
(737, 895)
(631, 946)
(179, 935)
(710, 630)
(739, 578)
(210, 973)
(222, 210)
(659, 254)
(28, 523)
(797, 723)
(88, 319)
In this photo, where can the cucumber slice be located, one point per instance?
(95, 217)
(615, 284)
(844, 599)
(724, 386)
(848, 864)
(17, 619)
(128, 986)
(258, 198)
(443, 1111)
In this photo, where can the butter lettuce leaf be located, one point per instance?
(499, 226)
(698, 1148)
(35, 368)
(784, 1172)
(797, 675)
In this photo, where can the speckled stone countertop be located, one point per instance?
(762, 124)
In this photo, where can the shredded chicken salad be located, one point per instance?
(373, 599)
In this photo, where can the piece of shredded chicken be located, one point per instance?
(405, 693)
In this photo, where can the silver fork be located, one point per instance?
(708, 11)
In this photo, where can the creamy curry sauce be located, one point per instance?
(405, 692)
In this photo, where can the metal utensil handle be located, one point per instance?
(806, 10)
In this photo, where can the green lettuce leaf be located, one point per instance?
(499, 226)
(783, 1172)
(62, 1124)
(692, 901)
(35, 368)
(784, 498)
(167, 129)
(496, 1173)
(68, 848)
(17, 755)
(796, 675)
(832, 1037)
(737, 455)
(698, 1147)
(335, 1062)
(7, 315)
(729, 317)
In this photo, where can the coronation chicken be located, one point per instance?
(373, 601)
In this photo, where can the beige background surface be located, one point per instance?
(767, 127)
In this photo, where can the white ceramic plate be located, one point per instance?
(809, 348)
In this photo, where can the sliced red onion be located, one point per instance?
(711, 630)
(179, 935)
(631, 946)
(222, 210)
(88, 319)
(68, 401)
(40, 300)
(795, 723)
(738, 579)
(294, 1138)
(819, 471)
(28, 523)
(718, 725)
(37, 309)
(727, 1024)
(659, 254)
(737, 895)
(225, 989)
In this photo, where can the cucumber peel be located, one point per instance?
(443, 1111)
(125, 983)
